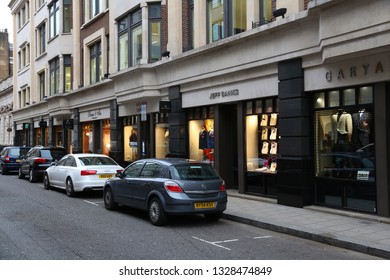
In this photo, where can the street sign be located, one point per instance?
(26, 126)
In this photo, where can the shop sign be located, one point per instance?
(97, 114)
(165, 106)
(67, 124)
(354, 71)
(26, 126)
(43, 123)
(223, 94)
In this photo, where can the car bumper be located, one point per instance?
(179, 207)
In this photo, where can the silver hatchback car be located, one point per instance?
(165, 187)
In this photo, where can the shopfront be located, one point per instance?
(349, 133)
(224, 125)
(145, 129)
(96, 131)
(262, 140)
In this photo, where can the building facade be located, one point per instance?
(286, 98)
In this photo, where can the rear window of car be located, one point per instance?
(85, 161)
(193, 171)
(14, 152)
(55, 154)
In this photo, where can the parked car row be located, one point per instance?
(161, 187)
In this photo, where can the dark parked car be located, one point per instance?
(168, 187)
(38, 159)
(10, 158)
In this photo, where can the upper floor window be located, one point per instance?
(95, 60)
(67, 16)
(154, 32)
(24, 97)
(67, 73)
(54, 66)
(130, 40)
(24, 56)
(38, 4)
(265, 10)
(23, 14)
(41, 39)
(54, 19)
(95, 7)
(225, 18)
(41, 85)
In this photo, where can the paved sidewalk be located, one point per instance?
(364, 233)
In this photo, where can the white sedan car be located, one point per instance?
(80, 172)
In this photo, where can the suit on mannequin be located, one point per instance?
(362, 124)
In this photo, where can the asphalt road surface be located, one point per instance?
(36, 224)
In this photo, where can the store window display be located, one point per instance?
(345, 139)
(130, 132)
(262, 136)
(162, 135)
(201, 134)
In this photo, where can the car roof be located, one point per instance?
(169, 161)
(88, 155)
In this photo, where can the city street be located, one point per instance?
(36, 224)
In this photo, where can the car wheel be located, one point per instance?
(20, 174)
(32, 176)
(213, 216)
(69, 187)
(157, 214)
(3, 170)
(46, 182)
(109, 201)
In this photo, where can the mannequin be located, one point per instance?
(362, 125)
(342, 127)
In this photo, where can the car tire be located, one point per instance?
(109, 201)
(32, 177)
(46, 182)
(69, 187)
(213, 216)
(157, 215)
(20, 174)
(4, 170)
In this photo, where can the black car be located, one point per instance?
(168, 187)
(38, 159)
(10, 158)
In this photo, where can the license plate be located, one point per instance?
(204, 205)
(18, 160)
(106, 176)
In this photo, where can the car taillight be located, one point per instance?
(222, 188)
(172, 186)
(7, 159)
(40, 160)
(88, 172)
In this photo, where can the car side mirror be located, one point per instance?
(119, 173)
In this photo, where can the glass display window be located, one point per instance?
(106, 137)
(161, 135)
(261, 124)
(88, 137)
(345, 137)
(201, 133)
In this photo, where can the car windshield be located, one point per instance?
(53, 154)
(85, 161)
(193, 171)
